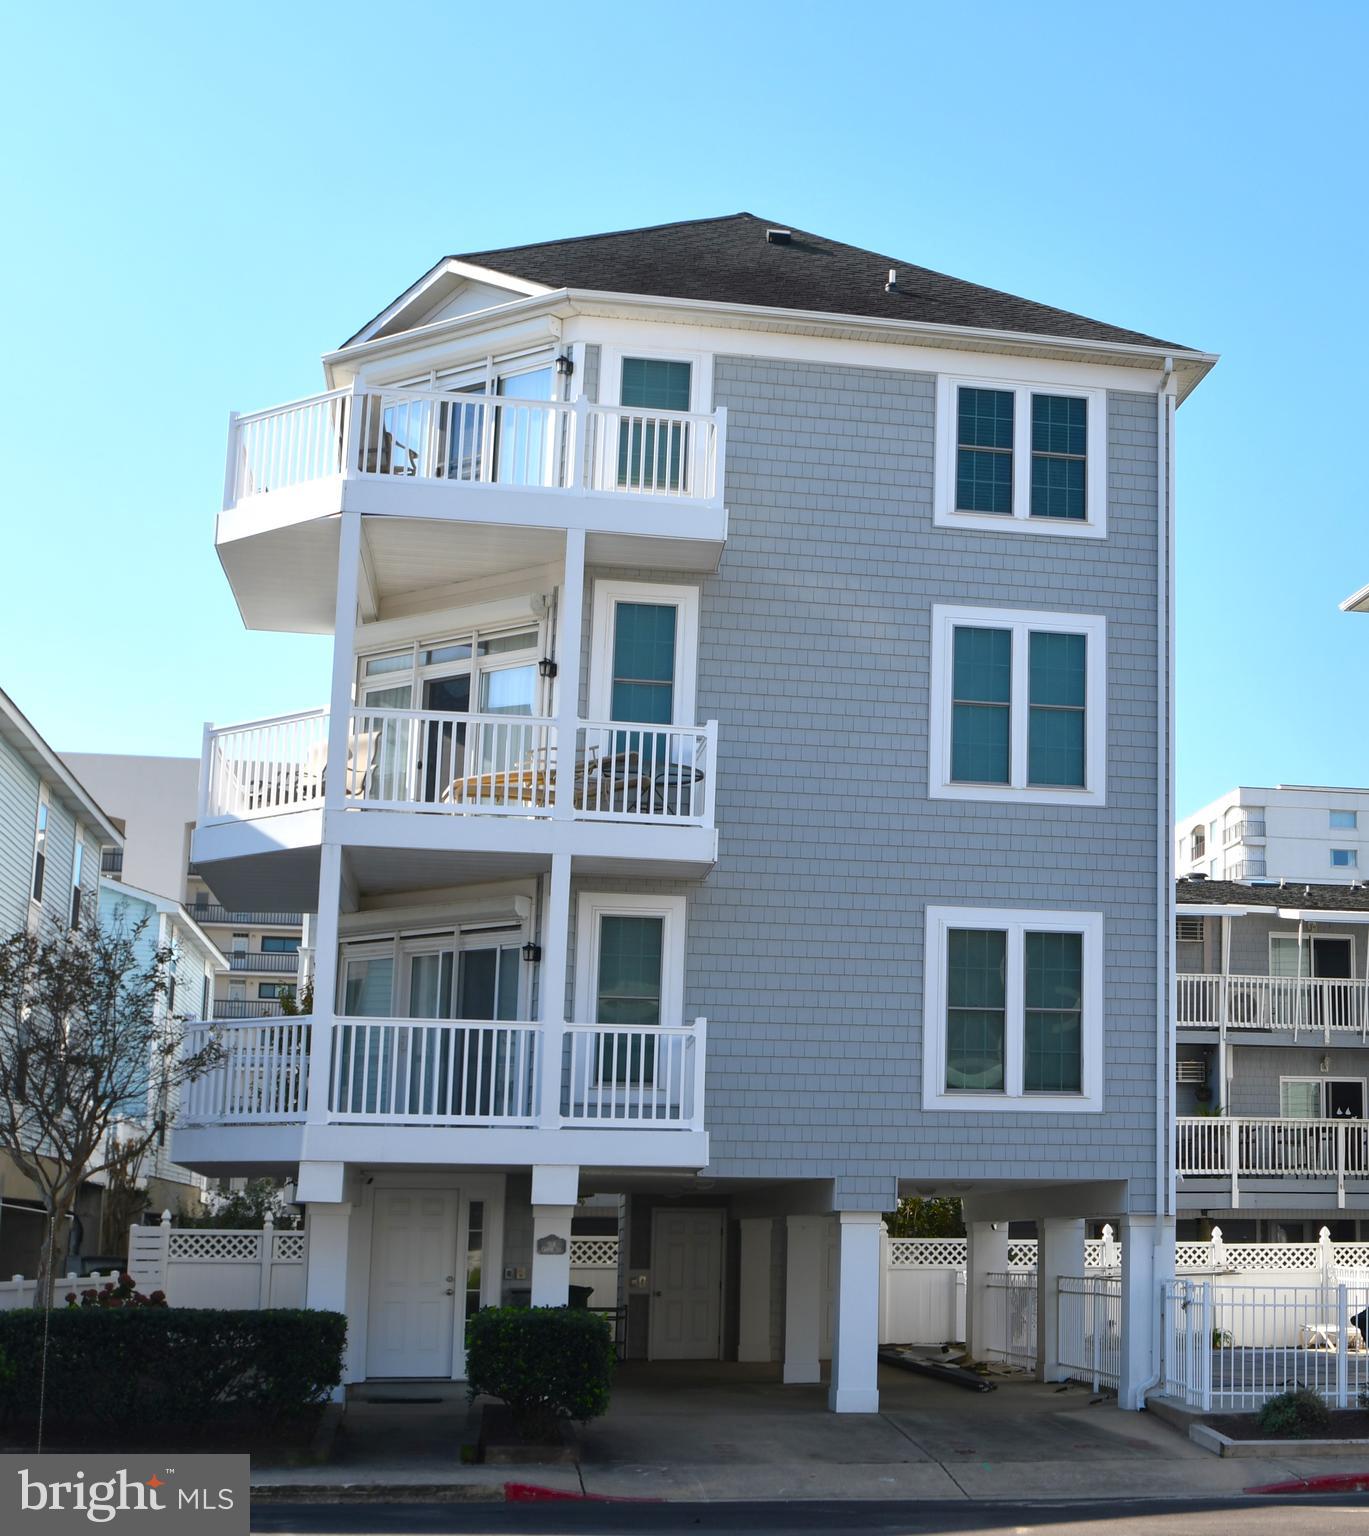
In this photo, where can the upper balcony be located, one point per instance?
(1294, 1007)
(646, 486)
(474, 787)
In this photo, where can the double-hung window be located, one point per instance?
(40, 844)
(1012, 1009)
(1022, 457)
(1018, 706)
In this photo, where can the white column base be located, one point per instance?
(325, 1277)
(855, 1338)
(987, 1244)
(1147, 1261)
(551, 1268)
(1059, 1251)
(802, 1274)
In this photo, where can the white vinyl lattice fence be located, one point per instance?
(18, 1292)
(208, 1267)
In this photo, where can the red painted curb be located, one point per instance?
(1332, 1482)
(533, 1493)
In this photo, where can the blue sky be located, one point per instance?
(201, 200)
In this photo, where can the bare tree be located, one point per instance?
(87, 1043)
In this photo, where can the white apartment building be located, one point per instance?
(1305, 832)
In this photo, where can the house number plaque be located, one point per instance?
(551, 1244)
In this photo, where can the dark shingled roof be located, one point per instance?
(1294, 894)
(728, 260)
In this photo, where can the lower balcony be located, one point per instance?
(1223, 1159)
(426, 1075)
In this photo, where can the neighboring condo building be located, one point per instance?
(743, 646)
(1272, 1010)
(1289, 832)
(155, 802)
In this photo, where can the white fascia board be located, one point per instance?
(1357, 602)
(447, 267)
(1213, 909)
(566, 301)
(19, 731)
(1318, 915)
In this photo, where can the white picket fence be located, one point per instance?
(18, 1292)
(237, 1268)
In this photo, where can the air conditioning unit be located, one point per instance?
(1190, 930)
(1190, 1070)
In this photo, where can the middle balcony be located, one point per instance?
(490, 793)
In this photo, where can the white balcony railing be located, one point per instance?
(1323, 1006)
(454, 1072)
(1239, 831)
(1324, 1152)
(463, 764)
(261, 1078)
(465, 439)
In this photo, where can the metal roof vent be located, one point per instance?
(779, 236)
(892, 285)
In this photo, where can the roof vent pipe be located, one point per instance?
(892, 285)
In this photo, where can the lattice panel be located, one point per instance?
(1192, 1255)
(927, 1252)
(594, 1252)
(1286, 1256)
(1022, 1253)
(288, 1247)
(1353, 1255)
(215, 1245)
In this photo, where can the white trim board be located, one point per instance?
(1016, 922)
(589, 908)
(607, 592)
(1021, 621)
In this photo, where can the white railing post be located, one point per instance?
(579, 429)
(206, 768)
(1204, 1351)
(1342, 1346)
(568, 680)
(353, 406)
(268, 1230)
(711, 774)
(1233, 1155)
(230, 470)
(1340, 1163)
(696, 1117)
(1097, 1291)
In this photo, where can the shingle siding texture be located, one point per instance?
(805, 943)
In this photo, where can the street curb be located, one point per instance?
(1332, 1482)
(377, 1493)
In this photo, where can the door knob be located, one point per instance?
(655, 1293)
(450, 1279)
(451, 1290)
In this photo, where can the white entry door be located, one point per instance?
(686, 1285)
(412, 1313)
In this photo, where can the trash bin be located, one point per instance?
(580, 1295)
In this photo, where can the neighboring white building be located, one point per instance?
(153, 801)
(1287, 832)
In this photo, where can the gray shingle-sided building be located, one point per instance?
(744, 791)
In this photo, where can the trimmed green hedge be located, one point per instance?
(169, 1365)
(546, 1363)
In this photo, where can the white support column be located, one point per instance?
(1147, 1261)
(325, 982)
(802, 1288)
(986, 1254)
(753, 1309)
(344, 661)
(1059, 1251)
(855, 1336)
(555, 1190)
(328, 1225)
(552, 990)
(568, 639)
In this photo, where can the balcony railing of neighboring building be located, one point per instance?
(442, 438)
(464, 765)
(111, 861)
(1321, 1006)
(210, 912)
(1246, 869)
(1242, 830)
(1229, 1149)
(278, 962)
(457, 1073)
(246, 1008)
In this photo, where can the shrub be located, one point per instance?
(546, 1363)
(1295, 1415)
(161, 1366)
(124, 1294)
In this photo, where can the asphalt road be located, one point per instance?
(1323, 1515)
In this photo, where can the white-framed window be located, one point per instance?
(1012, 1010)
(1346, 821)
(644, 649)
(652, 378)
(78, 857)
(629, 959)
(1321, 1098)
(1018, 706)
(40, 843)
(1344, 858)
(1029, 458)
(1199, 842)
